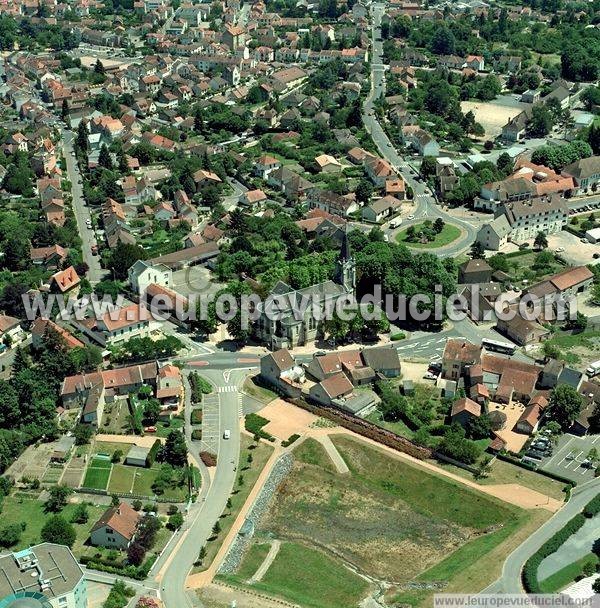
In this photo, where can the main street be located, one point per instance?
(82, 213)
(212, 500)
(425, 203)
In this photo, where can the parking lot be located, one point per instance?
(569, 453)
(210, 423)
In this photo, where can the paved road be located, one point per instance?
(210, 506)
(425, 204)
(510, 581)
(82, 213)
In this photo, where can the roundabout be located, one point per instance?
(430, 239)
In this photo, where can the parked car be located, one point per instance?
(226, 434)
(150, 429)
(560, 249)
(429, 376)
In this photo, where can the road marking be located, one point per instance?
(230, 388)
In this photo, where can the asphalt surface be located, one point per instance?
(425, 203)
(82, 213)
(510, 581)
(212, 501)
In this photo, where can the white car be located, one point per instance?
(560, 249)
(429, 376)
(411, 217)
(226, 434)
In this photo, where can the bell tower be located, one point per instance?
(345, 274)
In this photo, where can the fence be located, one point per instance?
(366, 429)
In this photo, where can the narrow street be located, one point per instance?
(425, 203)
(82, 214)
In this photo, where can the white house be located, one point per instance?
(116, 528)
(142, 274)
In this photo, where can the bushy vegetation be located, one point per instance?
(254, 424)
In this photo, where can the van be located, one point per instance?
(226, 434)
(395, 224)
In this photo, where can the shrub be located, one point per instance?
(593, 507)
(175, 521)
(200, 386)
(196, 416)
(197, 434)
(290, 440)
(209, 459)
(254, 424)
(398, 336)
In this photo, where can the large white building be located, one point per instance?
(142, 274)
(44, 576)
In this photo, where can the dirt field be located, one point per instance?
(374, 521)
(286, 419)
(32, 463)
(575, 252)
(492, 117)
(219, 595)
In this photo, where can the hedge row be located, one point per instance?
(138, 573)
(553, 544)
(593, 507)
(254, 424)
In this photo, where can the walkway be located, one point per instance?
(262, 569)
(336, 457)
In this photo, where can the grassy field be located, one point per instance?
(250, 472)
(448, 235)
(390, 519)
(565, 576)
(164, 428)
(121, 480)
(504, 472)
(97, 474)
(31, 513)
(253, 558)
(258, 392)
(310, 578)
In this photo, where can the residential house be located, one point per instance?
(116, 528)
(495, 234)
(464, 410)
(143, 273)
(458, 356)
(585, 174)
(65, 281)
(529, 217)
(381, 209)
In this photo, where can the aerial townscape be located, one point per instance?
(299, 303)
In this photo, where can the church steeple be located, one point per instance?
(345, 274)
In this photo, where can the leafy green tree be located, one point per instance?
(477, 251)
(428, 165)
(175, 521)
(83, 433)
(505, 163)
(174, 451)
(57, 499)
(81, 514)
(565, 405)
(123, 256)
(58, 530)
(104, 159)
(81, 140)
(540, 241)
(479, 427)
(10, 535)
(364, 190)
(541, 121)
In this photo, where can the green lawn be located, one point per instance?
(97, 474)
(164, 428)
(565, 576)
(448, 235)
(121, 479)
(31, 513)
(253, 558)
(312, 579)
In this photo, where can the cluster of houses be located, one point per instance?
(489, 379)
(91, 392)
(494, 293)
(332, 379)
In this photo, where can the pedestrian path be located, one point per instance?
(229, 388)
(336, 457)
(262, 569)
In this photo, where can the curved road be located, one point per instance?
(425, 204)
(510, 581)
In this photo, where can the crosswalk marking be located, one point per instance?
(230, 388)
(240, 408)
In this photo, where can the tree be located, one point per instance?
(80, 515)
(174, 451)
(58, 498)
(428, 166)
(83, 433)
(10, 535)
(364, 190)
(151, 411)
(477, 251)
(104, 159)
(565, 405)
(216, 528)
(438, 225)
(455, 445)
(443, 41)
(479, 428)
(541, 241)
(541, 121)
(175, 521)
(64, 112)
(82, 141)
(504, 163)
(124, 255)
(58, 530)
(135, 553)
(99, 67)
(596, 585)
